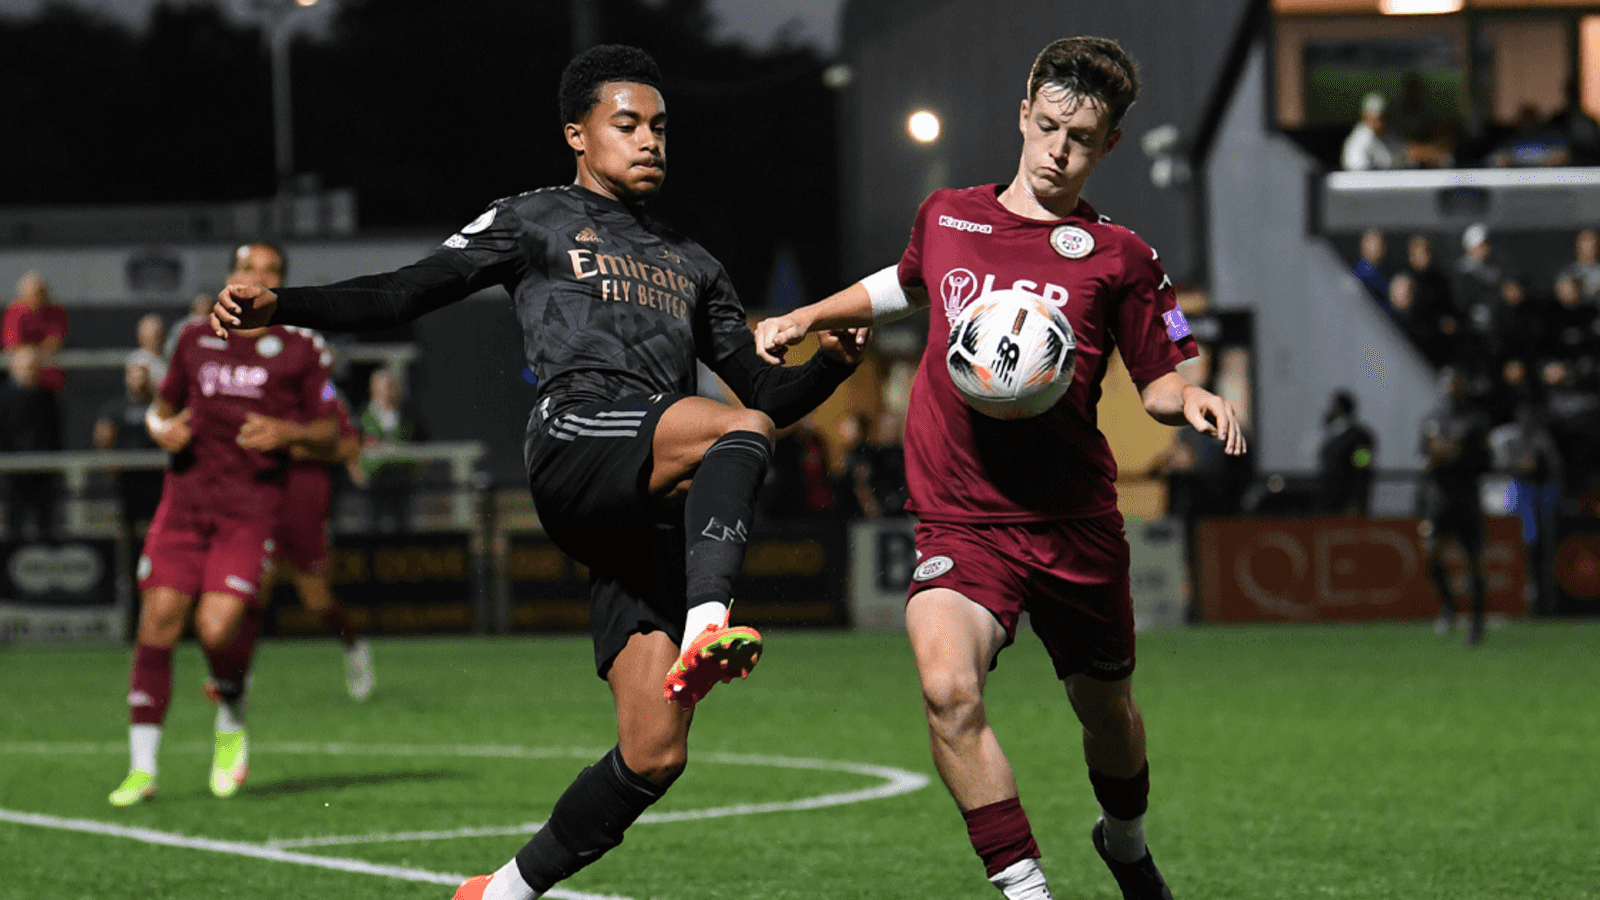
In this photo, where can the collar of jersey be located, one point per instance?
(604, 202)
(1082, 212)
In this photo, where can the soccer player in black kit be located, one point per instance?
(1455, 442)
(648, 485)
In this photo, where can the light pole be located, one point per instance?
(278, 15)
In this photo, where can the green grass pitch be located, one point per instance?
(1362, 761)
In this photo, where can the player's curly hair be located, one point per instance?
(1090, 67)
(595, 66)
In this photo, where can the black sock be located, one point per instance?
(718, 511)
(1441, 583)
(588, 820)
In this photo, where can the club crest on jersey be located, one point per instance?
(932, 567)
(269, 346)
(957, 289)
(1072, 242)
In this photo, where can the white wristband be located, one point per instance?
(155, 423)
(889, 299)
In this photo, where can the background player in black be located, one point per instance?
(615, 309)
(1455, 443)
(1344, 459)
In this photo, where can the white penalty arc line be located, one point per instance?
(258, 851)
(895, 781)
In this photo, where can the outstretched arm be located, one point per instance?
(358, 304)
(787, 393)
(876, 299)
(1172, 400)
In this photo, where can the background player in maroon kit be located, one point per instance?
(227, 411)
(1022, 515)
(302, 536)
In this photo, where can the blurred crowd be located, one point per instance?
(33, 416)
(1524, 339)
(1411, 131)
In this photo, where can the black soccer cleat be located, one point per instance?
(1138, 880)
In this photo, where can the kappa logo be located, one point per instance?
(587, 236)
(964, 225)
(932, 567)
(1109, 666)
(211, 342)
(720, 532)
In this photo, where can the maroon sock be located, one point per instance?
(1001, 835)
(231, 662)
(1122, 798)
(149, 685)
(339, 621)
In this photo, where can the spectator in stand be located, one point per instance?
(1586, 264)
(1369, 268)
(1573, 416)
(1520, 328)
(120, 426)
(34, 320)
(199, 312)
(1533, 143)
(1574, 325)
(1428, 135)
(151, 334)
(1370, 145)
(1512, 386)
(1475, 289)
(387, 424)
(1345, 459)
(1526, 451)
(30, 422)
(1578, 130)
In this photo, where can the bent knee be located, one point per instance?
(953, 701)
(752, 420)
(661, 766)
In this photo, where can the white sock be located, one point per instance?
(708, 613)
(1124, 838)
(1022, 880)
(507, 884)
(143, 742)
(230, 716)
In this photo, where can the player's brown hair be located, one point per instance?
(1093, 68)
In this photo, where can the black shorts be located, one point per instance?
(1465, 526)
(589, 471)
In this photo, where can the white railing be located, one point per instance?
(76, 466)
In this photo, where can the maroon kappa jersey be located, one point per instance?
(962, 466)
(315, 476)
(282, 374)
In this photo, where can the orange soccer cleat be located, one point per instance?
(473, 888)
(718, 654)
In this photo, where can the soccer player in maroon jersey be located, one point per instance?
(1021, 515)
(301, 538)
(228, 411)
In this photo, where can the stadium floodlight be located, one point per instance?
(1419, 7)
(923, 126)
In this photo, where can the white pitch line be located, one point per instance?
(257, 851)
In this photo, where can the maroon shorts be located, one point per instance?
(302, 532)
(1070, 576)
(194, 553)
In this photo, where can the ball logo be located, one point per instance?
(1072, 242)
(269, 346)
(932, 567)
(37, 569)
(957, 289)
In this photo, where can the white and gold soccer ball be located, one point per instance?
(1011, 354)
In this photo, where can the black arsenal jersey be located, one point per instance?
(612, 304)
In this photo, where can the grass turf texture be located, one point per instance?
(1287, 762)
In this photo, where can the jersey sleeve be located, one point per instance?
(318, 399)
(720, 328)
(490, 249)
(1149, 328)
(910, 268)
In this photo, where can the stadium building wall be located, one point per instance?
(1315, 331)
(967, 60)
